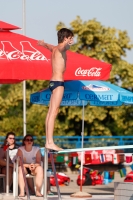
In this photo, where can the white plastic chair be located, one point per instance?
(27, 176)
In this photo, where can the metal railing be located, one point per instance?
(19, 160)
(67, 142)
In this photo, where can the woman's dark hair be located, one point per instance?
(7, 135)
(25, 137)
(64, 33)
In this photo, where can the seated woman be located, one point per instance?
(11, 143)
(32, 164)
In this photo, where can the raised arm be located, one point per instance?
(47, 46)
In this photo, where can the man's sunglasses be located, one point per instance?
(29, 140)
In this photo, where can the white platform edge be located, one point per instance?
(95, 148)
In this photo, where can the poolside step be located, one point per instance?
(123, 190)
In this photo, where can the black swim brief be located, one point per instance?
(55, 84)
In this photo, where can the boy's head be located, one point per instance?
(64, 33)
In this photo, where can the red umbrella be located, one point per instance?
(22, 59)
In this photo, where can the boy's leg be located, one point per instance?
(55, 101)
(47, 117)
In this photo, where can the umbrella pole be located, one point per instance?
(24, 108)
(81, 194)
(82, 146)
(24, 82)
(83, 126)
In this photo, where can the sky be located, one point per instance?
(42, 16)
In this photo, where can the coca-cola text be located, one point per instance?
(28, 52)
(94, 71)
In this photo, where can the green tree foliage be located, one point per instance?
(110, 45)
(94, 40)
(11, 109)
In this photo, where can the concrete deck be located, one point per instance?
(98, 192)
(64, 197)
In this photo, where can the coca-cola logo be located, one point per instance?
(94, 71)
(28, 52)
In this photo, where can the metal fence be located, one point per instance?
(75, 141)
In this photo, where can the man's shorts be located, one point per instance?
(28, 170)
(55, 84)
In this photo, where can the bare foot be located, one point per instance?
(53, 147)
(21, 195)
(38, 194)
